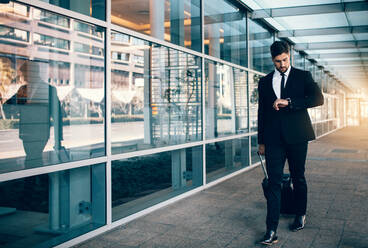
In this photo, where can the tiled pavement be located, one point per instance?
(232, 214)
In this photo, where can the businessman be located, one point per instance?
(284, 129)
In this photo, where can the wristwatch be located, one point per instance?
(289, 102)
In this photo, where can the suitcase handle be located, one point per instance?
(263, 166)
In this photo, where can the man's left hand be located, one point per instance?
(280, 103)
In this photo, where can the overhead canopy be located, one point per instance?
(332, 32)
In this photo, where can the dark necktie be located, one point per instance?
(282, 90)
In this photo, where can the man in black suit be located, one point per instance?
(284, 129)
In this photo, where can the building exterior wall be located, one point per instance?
(105, 118)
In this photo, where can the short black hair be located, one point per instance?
(279, 47)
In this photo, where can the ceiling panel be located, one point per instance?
(358, 18)
(313, 21)
(326, 38)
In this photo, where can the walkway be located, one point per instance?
(232, 214)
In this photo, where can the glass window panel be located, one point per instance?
(254, 149)
(176, 21)
(156, 97)
(94, 8)
(49, 209)
(141, 182)
(225, 31)
(241, 100)
(226, 100)
(223, 158)
(309, 67)
(299, 60)
(260, 40)
(253, 101)
(13, 34)
(52, 97)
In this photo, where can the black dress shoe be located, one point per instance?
(269, 238)
(299, 223)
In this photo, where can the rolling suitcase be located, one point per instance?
(287, 193)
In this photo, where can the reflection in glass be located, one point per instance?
(52, 89)
(46, 210)
(140, 182)
(176, 21)
(226, 100)
(94, 8)
(260, 40)
(156, 95)
(299, 60)
(253, 101)
(254, 149)
(223, 158)
(225, 31)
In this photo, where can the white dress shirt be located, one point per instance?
(276, 81)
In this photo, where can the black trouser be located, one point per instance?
(276, 155)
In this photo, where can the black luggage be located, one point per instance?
(287, 193)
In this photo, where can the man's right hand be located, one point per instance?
(261, 149)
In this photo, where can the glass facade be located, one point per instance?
(260, 40)
(53, 98)
(225, 31)
(156, 95)
(100, 122)
(49, 209)
(226, 100)
(94, 8)
(299, 61)
(253, 100)
(225, 157)
(140, 182)
(176, 21)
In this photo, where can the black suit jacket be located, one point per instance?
(292, 123)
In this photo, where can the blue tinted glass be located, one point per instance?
(223, 158)
(140, 182)
(156, 95)
(52, 89)
(94, 8)
(46, 210)
(260, 40)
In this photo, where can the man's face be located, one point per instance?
(282, 62)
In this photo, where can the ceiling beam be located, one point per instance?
(310, 10)
(338, 55)
(331, 45)
(323, 31)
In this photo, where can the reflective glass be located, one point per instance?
(94, 8)
(318, 78)
(156, 95)
(226, 100)
(141, 182)
(260, 40)
(310, 67)
(223, 158)
(52, 88)
(176, 21)
(254, 149)
(225, 31)
(253, 101)
(49, 209)
(298, 60)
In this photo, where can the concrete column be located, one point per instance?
(157, 18)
